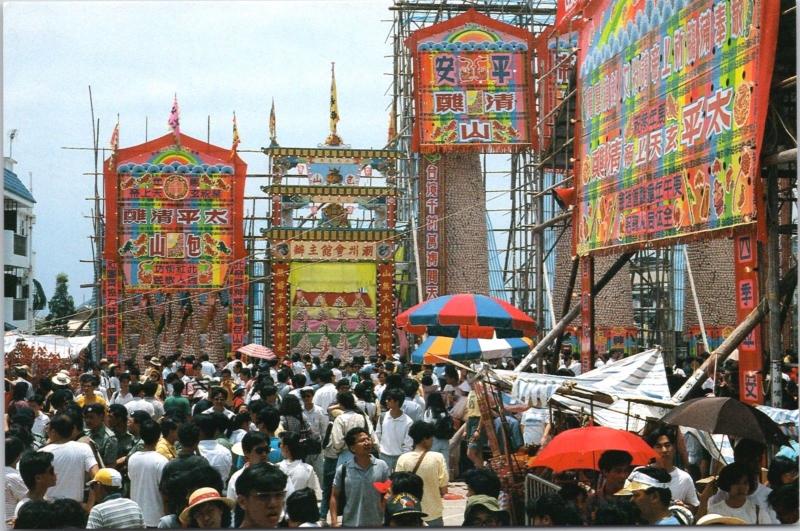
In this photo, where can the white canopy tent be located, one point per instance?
(64, 347)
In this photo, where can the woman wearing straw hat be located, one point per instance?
(207, 509)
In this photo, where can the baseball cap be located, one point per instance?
(108, 477)
(402, 504)
(98, 409)
(638, 480)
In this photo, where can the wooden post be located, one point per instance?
(773, 296)
(587, 313)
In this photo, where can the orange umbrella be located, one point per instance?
(581, 448)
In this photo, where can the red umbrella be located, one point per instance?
(581, 448)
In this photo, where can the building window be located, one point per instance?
(20, 309)
(20, 245)
(10, 222)
(15, 287)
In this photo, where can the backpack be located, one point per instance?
(443, 427)
(308, 440)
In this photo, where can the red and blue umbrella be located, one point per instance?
(435, 349)
(467, 315)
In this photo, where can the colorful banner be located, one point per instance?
(112, 325)
(745, 253)
(673, 98)
(333, 251)
(432, 243)
(472, 85)
(386, 313)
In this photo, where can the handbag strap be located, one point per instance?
(419, 462)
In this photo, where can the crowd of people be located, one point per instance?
(306, 442)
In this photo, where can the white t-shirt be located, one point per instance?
(682, 487)
(301, 475)
(140, 404)
(750, 512)
(40, 424)
(144, 470)
(325, 396)
(15, 491)
(217, 456)
(119, 398)
(71, 460)
(231, 492)
(759, 497)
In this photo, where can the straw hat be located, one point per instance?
(61, 379)
(718, 519)
(204, 495)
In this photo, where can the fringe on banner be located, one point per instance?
(473, 148)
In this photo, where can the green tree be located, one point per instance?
(61, 307)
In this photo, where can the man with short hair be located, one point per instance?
(650, 489)
(206, 367)
(410, 406)
(354, 480)
(89, 394)
(318, 421)
(112, 510)
(117, 421)
(219, 397)
(94, 427)
(430, 466)
(139, 403)
(392, 429)
(614, 469)
(326, 394)
(217, 455)
(145, 469)
(38, 474)
(15, 486)
(255, 448)
(186, 459)
(169, 434)
(122, 395)
(71, 460)
(261, 491)
(662, 440)
(150, 387)
(40, 420)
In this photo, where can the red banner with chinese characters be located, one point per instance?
(673, 99)
(280, 308)
(386, 309)
(237, 285)
(747, 298)
(433, 264)
(472, 85)
(111, 328)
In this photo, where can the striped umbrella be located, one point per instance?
(467, 315)
(436, 348)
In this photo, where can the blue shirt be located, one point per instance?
(669, 520)
(274, 455)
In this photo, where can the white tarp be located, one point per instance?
(64, 347)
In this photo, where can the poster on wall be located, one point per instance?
(672, 99)
(472, 85)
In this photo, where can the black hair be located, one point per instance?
(37, 399)
(167, 425)
(748, 451)
(140, 417)
(559, 510)
(325, 375)
(363, 391)
(207, 425)
(352, 434)
(779, 466)
(268, 390)
(177, 387)
(179, 486)
(236, 422)
(451, 371)
(135, 388)
(188, 434)
(292, 441)
(89, 378)
(435, 403)
(291, 406)
(269, 417)
(420, 430)
(32, 464)
(614, 458)
(60, 397)
(70, 513)
(14, 448)
(76, 414)
(256, 405)
(661, 431)
(252, 439)
(734, 472)
(298, 381)
(217, 391)
(37, 514)
(150, 432)
(20, 390)
(410, 387)
(347, 401)
(201, 406)
(407, 482)
(119, 411)
(483, 481)
(784, 498)
(62, 424)
(124, 376)
(261, 477)
(617, 513)
(394, 394)
(301, 506)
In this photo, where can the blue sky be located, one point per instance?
(218, 57)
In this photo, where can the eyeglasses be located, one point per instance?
(267, 496)
(261, 450)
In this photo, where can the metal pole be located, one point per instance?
(573, 313)
(773, 295)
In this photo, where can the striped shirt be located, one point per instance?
(116, 512)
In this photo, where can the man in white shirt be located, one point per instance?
(71, 460)
(218, 398)
(150, 387)
(217, 455)
(662, 440)
(317, 419)
(206, 367)
(325, 395)
(15, 488)
(40, 420)
(123, 394)
(139, 403)
(144, 470)
(392, 429)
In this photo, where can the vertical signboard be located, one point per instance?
(747, 297)
(472, 85)
(673, 97)
(432, 243)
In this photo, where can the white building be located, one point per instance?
(18, 257)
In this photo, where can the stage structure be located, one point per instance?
(332, 247)
(173, 271)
